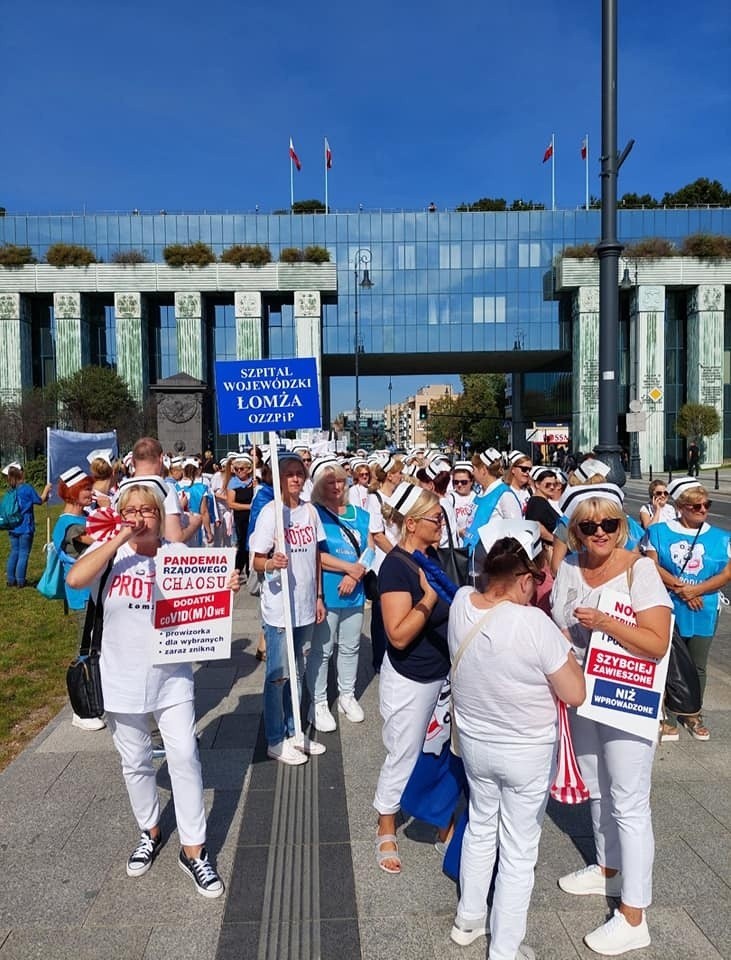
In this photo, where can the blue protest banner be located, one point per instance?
(275, 395)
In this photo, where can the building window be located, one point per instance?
(488, 309)
(43, 340)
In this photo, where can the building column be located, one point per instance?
(704, 375)
(647, 370)
(16, 365)
(585, 369)
(191, 334)
(72, 333)
(308, 329)
(248, 313)
(132, 347)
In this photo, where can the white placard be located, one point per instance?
(623, 690)
(193, 607)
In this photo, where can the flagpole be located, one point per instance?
(553, 171)
(327, 208)
(291, 182)
(586, 170)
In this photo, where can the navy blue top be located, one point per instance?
(427, 656)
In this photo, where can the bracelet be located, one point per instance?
(319, 596)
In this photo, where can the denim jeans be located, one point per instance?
(278, 715)
(20, 544)
(344, 625)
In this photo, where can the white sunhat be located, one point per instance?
(573, 496)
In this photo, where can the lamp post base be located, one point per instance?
(612, 456)
(635, 463)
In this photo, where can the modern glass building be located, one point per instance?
(452, 293)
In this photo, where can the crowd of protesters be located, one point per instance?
(377, 534)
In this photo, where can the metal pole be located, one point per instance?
(608, 250)
(357, 362)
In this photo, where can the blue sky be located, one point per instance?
(190, 106)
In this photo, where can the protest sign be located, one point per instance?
(259, 395)
(623, 690)
(193, 606)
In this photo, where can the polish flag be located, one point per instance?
(293, 156)
(549, 152)
(583, 149)
(328, 155)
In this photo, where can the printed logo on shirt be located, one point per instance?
(299, 537)
(137, 587)
(679, 552)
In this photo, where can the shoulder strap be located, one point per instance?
(449, 529)
(93, 624)
(344, 527)
(461, 650)
(689, 554)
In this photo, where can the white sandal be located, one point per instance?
(383, 855)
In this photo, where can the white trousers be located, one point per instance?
(406, 707)
(509, 785)
(617, 769)
(131, 736)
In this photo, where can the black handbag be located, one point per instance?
(682, 687)
(83, 676)
(455, 561)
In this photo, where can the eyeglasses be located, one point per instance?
(608, 525)
(129, 513)
(241, 469)
(697, 507)
(436, 520)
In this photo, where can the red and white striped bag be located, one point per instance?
(567, 787)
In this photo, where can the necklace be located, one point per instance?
(594, 574)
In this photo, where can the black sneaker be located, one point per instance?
(140, 860)
(207, 881)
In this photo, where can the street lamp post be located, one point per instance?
(362, 262)
(390, 413)
(627, 284)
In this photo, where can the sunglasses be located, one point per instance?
(306, 459)
(461, 483)
(523, 469)
(590, 527)
(438, 521)
(697, 507)
(660, 493)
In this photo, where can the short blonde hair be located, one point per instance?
(586, 510)
(148, 495)
(691, 495)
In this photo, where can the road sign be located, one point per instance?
(636, 422)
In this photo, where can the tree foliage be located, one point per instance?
(69, 255)
(188, 254)
(476, 414)
(308, 206)
(23, 423)
(700, 193)
(255, 254)
(96, 399)
(697, 420)
(12, 255)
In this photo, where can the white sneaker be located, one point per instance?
(348, 705)
(311, 747)
(92, 723)
(590, 880)
(465, 936)
(321, 718)
(616, 936)
(285, 752)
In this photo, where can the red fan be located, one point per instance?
(567, 787)
(103, 524)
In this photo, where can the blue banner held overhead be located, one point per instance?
(261, 395)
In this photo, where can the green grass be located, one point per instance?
(37, 642)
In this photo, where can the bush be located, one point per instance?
(291, 255)
(317, 255)
(254, 254)
(706, 246)
(188, 254)
(13, 256)
(581, 251)
(130, 256)
(308, 206)
(652, 248)
(69, 255)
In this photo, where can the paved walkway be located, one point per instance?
(295, 846)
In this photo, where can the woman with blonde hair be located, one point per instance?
(616, 765)
(101, 468)
(415, 617)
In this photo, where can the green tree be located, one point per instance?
(23, 423)
(638, 200)
(475, 415)
(696, 421)
(96, 399)
(484, 205)
(308, 206)
(700, 193)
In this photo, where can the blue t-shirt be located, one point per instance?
(672, 543)
(27, 499)
(337, 543)
(427, 656)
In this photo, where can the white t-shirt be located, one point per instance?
(509, 506)
(303, 530)
(570, 591)
(131, 682)
(667, 512)
(464, 510)
(358, 496)
(500, 688)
